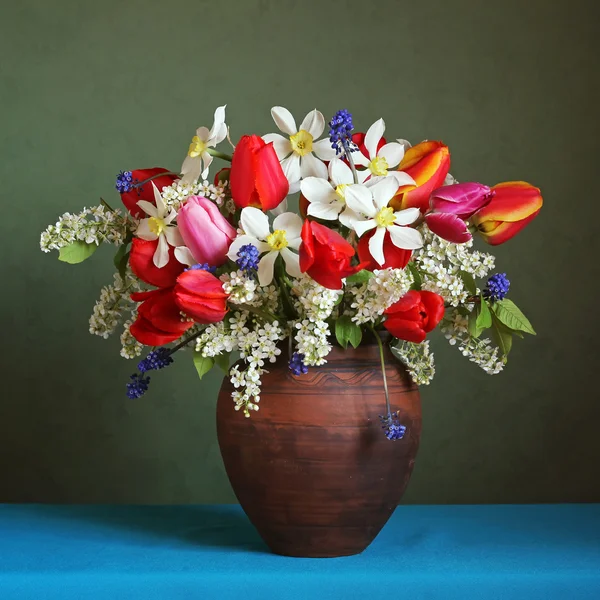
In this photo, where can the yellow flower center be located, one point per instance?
(385, 217)
(340, 190)
(197, 147)
(156, 225)
(379, 166)
(302, 142)
(277, 240)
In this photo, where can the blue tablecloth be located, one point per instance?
(206, 552)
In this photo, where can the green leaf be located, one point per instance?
(468, 282)
(76, 252)
(502, 336)
(484, 318)
(347, 331)
(121, 259)
(474, 331)
(510, 315)
(417, 279)
(222, 361)
(361, 277)
(203, 364)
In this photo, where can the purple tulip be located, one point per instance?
(460, 199)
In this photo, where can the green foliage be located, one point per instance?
(347, 331)
(469, 282)
(76, 252)
(121, 259)
(222, 361)
(510, 315)
(503, 337)
(203, 364)
(417, 279)
(484, 318)
(361, 277)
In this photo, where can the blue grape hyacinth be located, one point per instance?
(340, 132)
(391, 426)
(497, 287)
(297, 366)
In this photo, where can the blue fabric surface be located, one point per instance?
(205, 552)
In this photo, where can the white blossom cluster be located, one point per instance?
(315, 304)
(442, 261)
(130, 347)
(108, 310)
(178, 192)
(92, 226)
(217, 339)
(477, 350)
(240, 286)
(381, 291)
(417, 359)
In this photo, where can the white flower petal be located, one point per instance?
(240, 241)
(311, 166)
(323, 149)
(374, 134)
(161, 254)
(284, 120)
(402, 178)
(360, 200)
(184, 256)
(161, 207)
(143, 231)
(407, 216)
(265, 268)
(173, 236)
(291, 169)
(361, 227)
(339, 172)
(292, 262)
(376, 245)
(405, 237)
(280, 209)
(348, 218)
(216, 133)
(203, 133)
(360, 159)
(148, 208)
(207, 158)
(383, 191)
(191, 169)
(295, 243)
(170, 217)
(254, 222)
(405, 144)
(316, 189)
(393, 154)
(327, 212)
(314, 123)
(290, 222)
(282, 145)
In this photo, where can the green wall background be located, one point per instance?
(90, 88)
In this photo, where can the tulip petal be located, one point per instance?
(311, 166)
(142, 265)
(513, 201)
(284, 120)
(395, 258)
(405, 237)
(376, 245)
(449, 227)
(393, 154)
(266, 268)
(307, 248)
(434, 306)
(254, 222)
(404, 329)
(271, 184)
(374, 134)
(282, 145)
(313, 123)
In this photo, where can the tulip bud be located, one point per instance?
(200, 295)
(131, 192)
(514, 204)
(414, 315)
(256, 177)
(205, 231)
(142, 264)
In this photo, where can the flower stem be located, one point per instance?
(349, 157)
(218, 154)
(106, 205)
(155, 176)
(257, 311)
(185, 342)
(385, 387)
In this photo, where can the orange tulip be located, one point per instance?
(428, 164)
(514, 204)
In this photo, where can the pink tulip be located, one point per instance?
(205, 231)
(460, 199)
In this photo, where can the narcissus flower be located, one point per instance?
(199, 294)
(256, 177)
(301, 155)
(198, 160)
(414, 315)
(285, 235)
(131, 186)
(428, 164)
(395, 258)
(142, 264)
(513, 206)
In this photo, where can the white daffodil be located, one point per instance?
(197, 153)
(372, 202)
(159, 227)
(286, 234)
(380, 161)
(296, 152)
(328, 198)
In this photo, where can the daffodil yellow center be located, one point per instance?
(340, 190)
(385, 217)
(277, 240)
(302, 142)
(156, 225)
(197, 147)
(379, 166)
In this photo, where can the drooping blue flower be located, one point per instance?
(297, 366)
(340, 132)
(157, 359)
(247, 258)
(391, 426)
(202, 267)
(497, 287)
(124, 182)
(138, 386)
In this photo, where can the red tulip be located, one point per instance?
(200, 295)
(159, 320)
(146, 191)
(325, 255)
(513, 206)
(414, 315)
(256, 177)
(142, 265)
(395, 258)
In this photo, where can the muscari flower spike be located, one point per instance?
(497, 287)
(297, 366)
(202, 267)
(248, 256)
(125, 182)
(340, 132)
(157, 359)
(391, 426)
(138, 386)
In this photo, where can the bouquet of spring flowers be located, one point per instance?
(382, 240)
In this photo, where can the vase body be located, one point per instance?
(312, 468)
